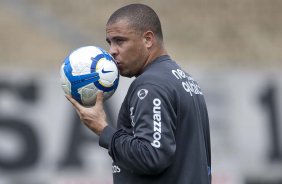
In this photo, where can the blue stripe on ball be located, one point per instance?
(95, 61)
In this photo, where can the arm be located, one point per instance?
(151, 147)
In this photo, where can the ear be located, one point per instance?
(149, 39)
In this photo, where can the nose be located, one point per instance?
(113, 51)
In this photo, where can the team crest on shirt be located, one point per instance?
(142, 93)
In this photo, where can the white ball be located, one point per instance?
(87, 70)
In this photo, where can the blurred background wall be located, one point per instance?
(233, 48)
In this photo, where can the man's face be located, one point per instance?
(127, 47)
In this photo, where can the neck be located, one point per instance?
(154, 54)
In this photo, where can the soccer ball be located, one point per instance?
(87, 70)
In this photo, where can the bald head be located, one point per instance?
(140, 17)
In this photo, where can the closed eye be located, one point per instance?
(117, 40)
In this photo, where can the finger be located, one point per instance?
(100, 98)
(74, 102)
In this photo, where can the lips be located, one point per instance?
(118, 64)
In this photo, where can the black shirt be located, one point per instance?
(162, 131)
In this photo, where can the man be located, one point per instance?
(162, 133)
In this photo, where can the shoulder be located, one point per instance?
(157, 78)
(161, 70)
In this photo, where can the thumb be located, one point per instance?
(100, 98)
